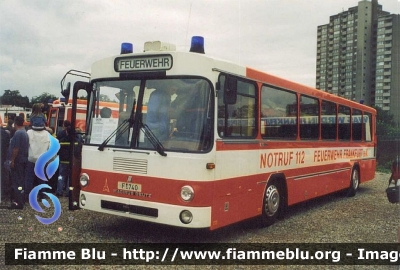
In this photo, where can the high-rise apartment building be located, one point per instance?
(358, 56)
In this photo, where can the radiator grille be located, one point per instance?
(130, 165)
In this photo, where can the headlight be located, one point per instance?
(83, 199)
(187, 193)
(186, 216)
(84, 179)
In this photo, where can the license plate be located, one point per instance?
(130, 186)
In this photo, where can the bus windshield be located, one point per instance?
(168, 114)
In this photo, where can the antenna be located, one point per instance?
(187, 28)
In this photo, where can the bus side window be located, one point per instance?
(344, 128)
(309, 118)
(328, 120)
(221, 106)
(367, 120)
(60, 117)
(278, 114)
(236, 108)
(52, 120)
(356, 125)
(230, 90)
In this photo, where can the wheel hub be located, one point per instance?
(272, 200)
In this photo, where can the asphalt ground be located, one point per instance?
(366, 218)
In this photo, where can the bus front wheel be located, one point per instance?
(272, 204)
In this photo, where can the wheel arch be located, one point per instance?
(352, 190)
(280, 180)
(356, 166)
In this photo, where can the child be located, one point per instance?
(38, 119)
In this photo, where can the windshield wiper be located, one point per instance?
(125, 125)
(121, 129)
(153, 139)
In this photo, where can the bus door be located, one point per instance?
(81, 89)
(236, 146)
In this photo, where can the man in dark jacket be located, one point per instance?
(4, 177)
(17, 158)
(64, 154)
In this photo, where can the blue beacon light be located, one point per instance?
(126, 48)
(197, 45)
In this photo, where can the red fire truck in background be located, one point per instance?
(60, 110)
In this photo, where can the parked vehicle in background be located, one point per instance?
(9, 112)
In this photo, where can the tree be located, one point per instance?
(14, 98)
(388, 133)
(44, 98)
(385, 124)
(104, 98)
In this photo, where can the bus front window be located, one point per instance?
(175, 114)
(114, 102)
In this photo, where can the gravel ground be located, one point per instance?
(366, 218)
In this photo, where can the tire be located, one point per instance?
(354, 182)
(273, 204)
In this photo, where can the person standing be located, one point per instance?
(17, 159)
(39, 142)
(10, 127)
(5, 179)
(64, 154)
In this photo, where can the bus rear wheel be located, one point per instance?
(354, 182)
(272, 204)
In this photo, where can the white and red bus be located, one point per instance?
(9, 112)
(239, 143)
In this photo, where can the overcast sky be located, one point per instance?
(41, 40)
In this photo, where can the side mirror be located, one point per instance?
(230, 90)
(65, 92)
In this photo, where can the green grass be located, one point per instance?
(384, 168)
